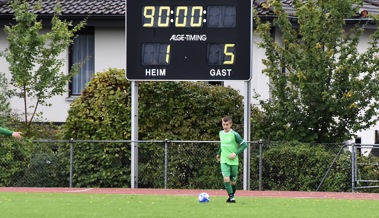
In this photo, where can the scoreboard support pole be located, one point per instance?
(134, 136)
(246, 152)
(247, 115)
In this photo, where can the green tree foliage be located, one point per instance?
(34, 56)
(167, 110)
(322, 88)
(4, 100)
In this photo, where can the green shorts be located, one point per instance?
(229, 171)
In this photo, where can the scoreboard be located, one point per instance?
(171, 40)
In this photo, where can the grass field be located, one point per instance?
(75, 205)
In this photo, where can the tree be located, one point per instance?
(33, 56)
(322, 88)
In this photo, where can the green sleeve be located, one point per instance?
(5, 131)
(241, 142)
(242, 147)
(219, 149)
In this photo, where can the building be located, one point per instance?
(103, 40)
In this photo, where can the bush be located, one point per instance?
(172, 110)
(44, 170)
(14, 156)
(301, 167)
(368, 169)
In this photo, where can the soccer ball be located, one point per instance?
(203, 197)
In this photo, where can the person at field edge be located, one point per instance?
(8, 132)
(231, 145)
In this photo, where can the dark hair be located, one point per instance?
(226, 119)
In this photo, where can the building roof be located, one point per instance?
(116, 8)
(75, 7)
(370, 6)
(96, 12)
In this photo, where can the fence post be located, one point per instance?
(260, 165)
(165, 162)
(71, 160)
(353, 165)
(246, 168)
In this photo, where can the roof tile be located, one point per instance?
(372, 6)
(77, 7)
(117, 7)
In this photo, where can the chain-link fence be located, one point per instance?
(365, 167)
(173, 164)
(291, 166)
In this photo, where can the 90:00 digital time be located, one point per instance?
(184, 16)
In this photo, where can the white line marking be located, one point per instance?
(81, 190)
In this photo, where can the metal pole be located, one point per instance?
(353, 165)
(247, 103)
(71, 161)
(165, 162)
(246, 153)
(260, 166)
(134, 136)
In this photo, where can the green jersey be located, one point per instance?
(4, 131)
(231, 142)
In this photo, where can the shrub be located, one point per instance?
(301, 167)
(14, 156)
(44, 170)
(368, 169)
(172, 110)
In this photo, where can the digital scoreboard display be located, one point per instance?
(171, 40)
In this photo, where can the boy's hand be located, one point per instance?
(232, 156)
(17, 135)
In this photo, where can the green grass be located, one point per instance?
(69, 205)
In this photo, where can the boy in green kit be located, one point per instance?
(232, 144)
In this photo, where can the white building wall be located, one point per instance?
(367, 136)
(109, 48)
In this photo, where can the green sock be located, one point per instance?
(234, 188)
(228, 188)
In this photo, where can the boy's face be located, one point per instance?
(226, 126)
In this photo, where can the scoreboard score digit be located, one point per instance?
(188, 40)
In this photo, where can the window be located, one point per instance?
(83, 52)
(216, 83)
